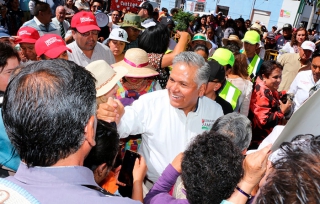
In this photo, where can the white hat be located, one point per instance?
(106, 77)
(118, 34)
(308, 45)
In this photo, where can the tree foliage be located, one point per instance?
(182, 20)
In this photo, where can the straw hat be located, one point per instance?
(106, 77)
(233, 38)
(137, 62)
(256, 27)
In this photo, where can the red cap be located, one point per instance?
(27, 35)
(84, 21)
(51, 45)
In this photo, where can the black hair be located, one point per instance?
(295, 176)
(173, 11)
(211, 168)
(201, 47)
(46, 108)
(107, 146)
(164, 9)
(99, 1)
(233, 47)
(40, 6)
(267, 68)
(155, 39)
(7, 52)
(316, 53)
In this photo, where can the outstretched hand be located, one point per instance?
(112, 111)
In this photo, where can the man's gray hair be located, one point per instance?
(194, 59)
(236, 127)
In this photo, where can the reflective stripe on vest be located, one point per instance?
(231, 94)
(253, 66)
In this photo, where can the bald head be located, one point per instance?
(60, 13)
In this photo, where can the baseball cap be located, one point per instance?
(27, 35)
(251, 37)
(287, 26)
(167, 21)
(118, 34)
(271, 35)
(223, 56)
(275, 26)
(308, 45)
(84, 21)
(51, 45)
(217, 72)
(146, 5)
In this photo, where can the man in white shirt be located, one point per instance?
(168, 119)
(305, 81)
(85, 48)
(42, 20)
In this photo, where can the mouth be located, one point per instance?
(175, 97)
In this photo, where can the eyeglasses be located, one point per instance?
(86, 34)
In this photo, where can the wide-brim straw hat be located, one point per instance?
(233, 38)
(137, 62)
(106, 76)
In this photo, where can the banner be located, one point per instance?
(285, 13)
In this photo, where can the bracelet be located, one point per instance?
(243, 193)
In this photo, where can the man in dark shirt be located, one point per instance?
(285, 37)
(217, 80)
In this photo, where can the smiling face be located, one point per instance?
(301, 36)
(274, 79)
(182, 89)
(29, 51)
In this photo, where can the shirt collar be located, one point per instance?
(37, 21)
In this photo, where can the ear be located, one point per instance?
(264, 77)
(101, 168)
(73, 34)
(90, 130)
(217, 86)
(202, 89)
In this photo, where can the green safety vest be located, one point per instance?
(231, 94)
(254, 66)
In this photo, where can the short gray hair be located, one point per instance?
(194, 59)
(236, 127)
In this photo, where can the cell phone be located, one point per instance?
(125, 175)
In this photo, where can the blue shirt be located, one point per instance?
(8, 155)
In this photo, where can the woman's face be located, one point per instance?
(203, 20)
(301, 36)
(111, 93)
(69, 2)
(133, 80)
(274, 80)
(116, 47)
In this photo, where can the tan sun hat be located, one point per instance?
(106, 77)
(137, 62)
(233, 38)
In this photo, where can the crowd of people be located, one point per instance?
(78, 90)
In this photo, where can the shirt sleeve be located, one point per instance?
(134, 120)
(155, 60)
(159, 193)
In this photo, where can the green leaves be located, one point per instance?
(182, 20)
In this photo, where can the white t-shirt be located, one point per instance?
(166, 131)
(301, 86)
